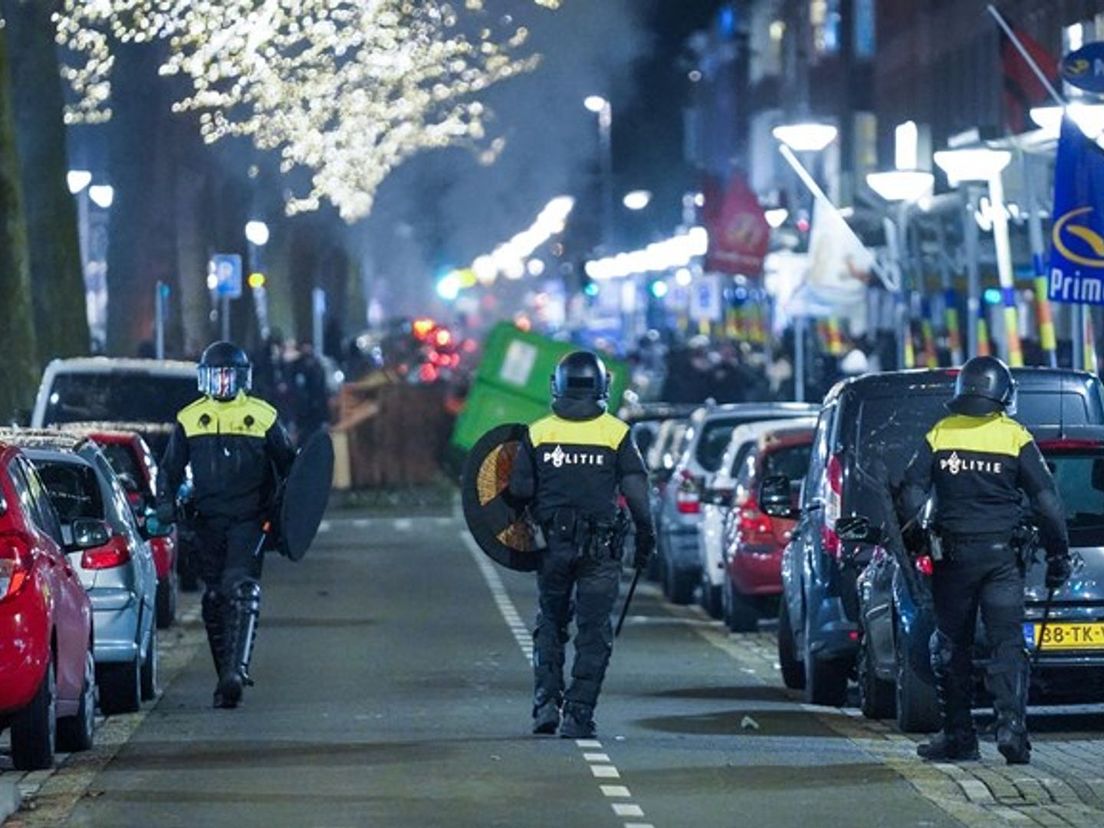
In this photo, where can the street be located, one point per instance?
(393, 690)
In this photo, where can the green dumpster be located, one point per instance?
(511, 384)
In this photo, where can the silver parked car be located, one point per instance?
(119, 573)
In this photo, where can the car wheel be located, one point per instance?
(711, 600)
(151, 669)
(877, 698)
(166, 601)
(34, 728)
(825, 678)
(793, 673)
(678, 586)
(76, 733)
(741, 611)
(917, 703)
(120, 687)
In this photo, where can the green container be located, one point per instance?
(512, 382)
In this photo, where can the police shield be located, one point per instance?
(305, 495)
(498, 524)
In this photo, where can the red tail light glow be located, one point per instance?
(15, 556)
(688, 495)
(756, 528)
(925, 565)
(833, 506)
(113, 553)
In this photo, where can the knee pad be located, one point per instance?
(942, 651)
(212, 606)
(247, 594)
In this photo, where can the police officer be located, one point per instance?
(571, 467)
(237, 449)
(979, 460)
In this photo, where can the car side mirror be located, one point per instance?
(776, 497)
(88, 533)
(858, 529)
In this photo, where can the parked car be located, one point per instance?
(897, 617)
(107, 389)
(719, 494)
(645, 421)
(760, 523)
(118, 572)
(878, 418)
(134, 464)
(48, 691)
(707, 435)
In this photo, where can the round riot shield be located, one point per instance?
(501, 529)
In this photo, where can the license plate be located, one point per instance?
(1065, 635)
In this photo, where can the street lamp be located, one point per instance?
(981, 164)
(807, 136)
(102, 195)
(637, 200)
(595, 103)
(776, 216)
(604, 110)
(901, 185)
(78, 180)
(256, 232)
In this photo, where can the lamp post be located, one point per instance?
(805, 137)
(604, 110)
(257, 234)
(981, 164)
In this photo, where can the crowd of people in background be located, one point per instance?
(292, 378)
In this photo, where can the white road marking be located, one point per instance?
(325, 526)
(588, 743)
(639, 825)
(501, 598)
(615, 791)
(605, 771)
(403, 524)
(362, 523)
(597, 757)
(625, 809)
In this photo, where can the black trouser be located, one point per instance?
(584, 586)
(988, 576)
(229, 561)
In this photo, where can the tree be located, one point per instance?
(57, 279)
(344, 89)
(18, 368)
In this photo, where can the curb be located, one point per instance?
(9, 799)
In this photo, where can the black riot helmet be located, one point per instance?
(984, 386)
(224, 371)
(581, 376)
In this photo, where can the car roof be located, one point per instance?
(939, 379)
(1051, 438)
(765, 409)
(642, 412)
(110, 427)
(109, 365)
(793, 432)
(42, 438)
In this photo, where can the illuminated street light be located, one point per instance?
(972, 164)
(901, 185)
(637, 199)
(102, 195)
(78, 180)
(805, 137)
(776, 217)
(596, 103)
(1088, 117)
(256, 232)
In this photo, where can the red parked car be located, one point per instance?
(754, 533)
(130, 456)
(48, 691)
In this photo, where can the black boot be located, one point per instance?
(578, 722)
(241, 632)
(214, 624)
(1012, 741)
(957, 746)
(546, 718)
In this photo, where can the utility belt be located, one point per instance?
(592, 536)
(950, 548)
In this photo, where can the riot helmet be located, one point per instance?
(581, 376)
(224, 371)
(984, 386)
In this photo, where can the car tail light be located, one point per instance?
(925, 565)
(15, 557)
(756, 528)
(833, 506)
(688, 495)
(113, 553)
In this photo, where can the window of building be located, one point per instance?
(865, 42)
(824, 15)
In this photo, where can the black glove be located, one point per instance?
(166, 513)
(1058, 571)
(645, 548)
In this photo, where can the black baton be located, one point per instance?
(1043, 627)
(628, 601)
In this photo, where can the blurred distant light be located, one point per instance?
(212, 281)
(777, 216)
(901, 185)
(637, 199)
(669, 254)
(509, 259)
(523, 322)
(595, 103)
(256, 233)
(699, 199)
(484, 269)
(1048, 118)
(683, 277)
(78, 180)
(591, 289)
(972, 164)
(805, 137)
(535, 267)
(102, 195)
(257, 280)
(992, 296)
(659, 288)
(694, 76)
(906, 153)
(448, 287)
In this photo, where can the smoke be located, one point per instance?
(443, 209)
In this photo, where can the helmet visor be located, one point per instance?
(224, 383)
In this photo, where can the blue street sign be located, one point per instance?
(227, 270)
(1077, 239)
(1085, 67)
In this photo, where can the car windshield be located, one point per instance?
(1080, 481)
(132, 397)
(73, 490)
